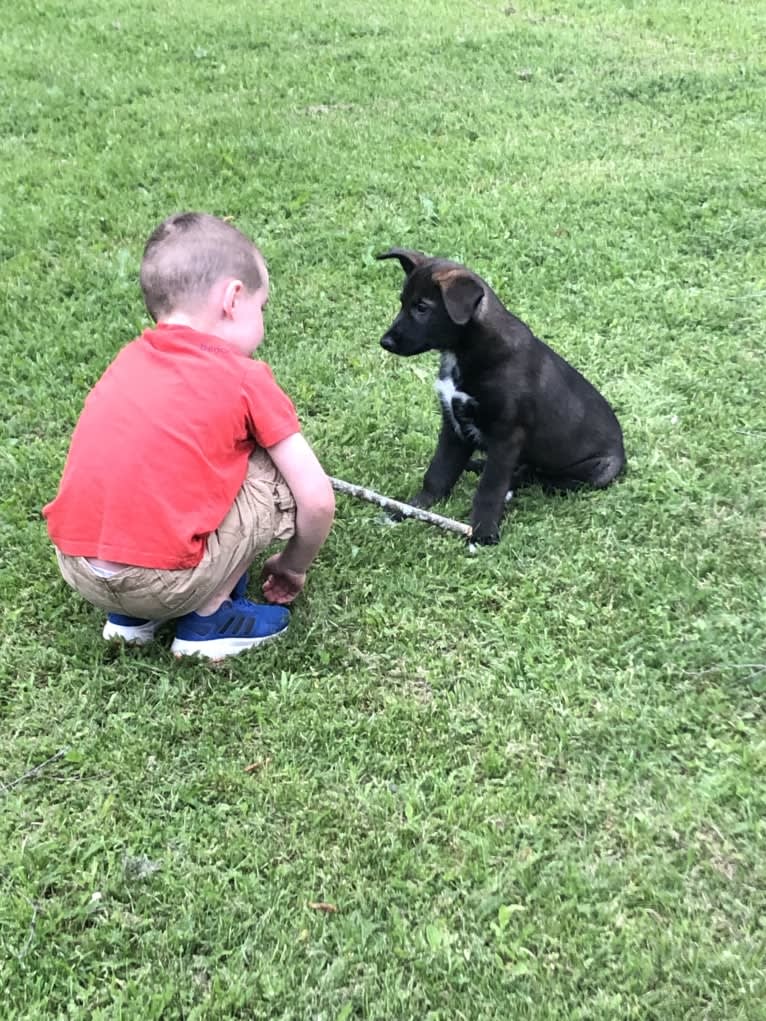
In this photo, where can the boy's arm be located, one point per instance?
(285, 573)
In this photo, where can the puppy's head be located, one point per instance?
(439, 300)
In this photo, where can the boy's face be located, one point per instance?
(245, 330)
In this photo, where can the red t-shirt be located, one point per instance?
(161, 449)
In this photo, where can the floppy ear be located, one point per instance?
(408, 257)
(461, 291)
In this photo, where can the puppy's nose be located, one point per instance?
(388, 342)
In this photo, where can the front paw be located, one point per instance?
(485, 535)
(423, 499)
(420, 499)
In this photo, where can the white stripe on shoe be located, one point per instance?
(219, 648)
(140, 634)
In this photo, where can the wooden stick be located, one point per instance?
(405, 509)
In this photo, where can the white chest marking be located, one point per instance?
(449, 396)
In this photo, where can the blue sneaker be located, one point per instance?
(240, 589)
(235, 626)
(134, 630)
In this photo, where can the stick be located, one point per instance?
(405, 509)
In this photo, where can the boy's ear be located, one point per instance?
(408, 257)
(461, 292)
(231, 294)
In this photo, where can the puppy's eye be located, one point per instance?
(421, 307)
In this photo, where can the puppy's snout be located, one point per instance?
(388, 342)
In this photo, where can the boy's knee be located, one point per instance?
(265, 505)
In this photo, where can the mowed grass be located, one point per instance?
(527, 784)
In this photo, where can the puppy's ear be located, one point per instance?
(461, 291)
(408, 257)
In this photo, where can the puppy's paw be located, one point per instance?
(485, 536)
(394, 517)
(424, 499)
(419, 500)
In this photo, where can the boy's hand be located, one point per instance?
(280, 584)
(314, 509)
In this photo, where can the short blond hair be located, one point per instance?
(187, 254)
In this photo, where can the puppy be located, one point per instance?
(502, 391)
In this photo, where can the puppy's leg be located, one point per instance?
(495, 481)
(447, 465)
(597, 472)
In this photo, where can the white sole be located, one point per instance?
(219, 648)
(141, 635)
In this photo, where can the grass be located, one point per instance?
(531, 782)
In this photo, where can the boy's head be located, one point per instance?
(202, 271)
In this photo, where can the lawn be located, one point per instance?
(527, 784)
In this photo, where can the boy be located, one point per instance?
(188, 460)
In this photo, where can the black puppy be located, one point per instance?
(502, 391)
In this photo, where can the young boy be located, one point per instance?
(188, 460)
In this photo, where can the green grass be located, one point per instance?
(532, 781)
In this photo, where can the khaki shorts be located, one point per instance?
(263, 511)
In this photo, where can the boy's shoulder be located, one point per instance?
(258, 376)
(172, 349)
(268, 404)
(258, 369)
